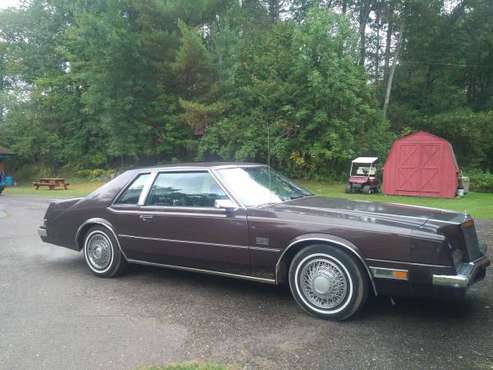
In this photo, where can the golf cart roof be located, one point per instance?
(365, 160)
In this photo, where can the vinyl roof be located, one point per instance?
(201, 165)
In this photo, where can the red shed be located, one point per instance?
(421, 164)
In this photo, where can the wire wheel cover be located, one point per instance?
(323, 283)
(99, 251)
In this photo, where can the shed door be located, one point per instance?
(430, 168)
(418, 170)
(408, 168)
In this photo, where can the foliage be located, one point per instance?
(481, 181)
(294, 84)
(299, 83)
(471, 132)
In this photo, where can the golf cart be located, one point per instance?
(363, 176)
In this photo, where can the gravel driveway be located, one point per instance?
(54, 314)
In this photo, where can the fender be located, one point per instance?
(331, 239)
(101, 222)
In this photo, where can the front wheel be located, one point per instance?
(327, 282)
(101, 252)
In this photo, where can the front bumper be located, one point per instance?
(467, 273)
(43, 233)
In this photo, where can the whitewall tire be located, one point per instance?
(101, 252)
(328, 282)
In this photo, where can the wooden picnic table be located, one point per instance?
(51, 183)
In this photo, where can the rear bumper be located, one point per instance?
(467, 274)
(43, 233)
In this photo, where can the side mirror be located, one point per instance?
(226, 204)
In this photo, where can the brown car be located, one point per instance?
(246, 221)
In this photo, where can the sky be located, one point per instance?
(8, 3)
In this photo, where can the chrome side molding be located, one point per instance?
(203, 271)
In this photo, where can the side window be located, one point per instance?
(185, 189)
(132, 194)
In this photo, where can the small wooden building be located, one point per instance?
(421, 164)
(4, 154)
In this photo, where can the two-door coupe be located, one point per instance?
(246, 221)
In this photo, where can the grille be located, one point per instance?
(471, 240)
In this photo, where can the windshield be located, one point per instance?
(254, 186)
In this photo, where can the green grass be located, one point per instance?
(479, 205)
(77, 188)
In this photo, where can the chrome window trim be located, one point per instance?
(332, 241)
(156, 173)
(226, 189)
(124, 188)
(203, 271)
(147, 188)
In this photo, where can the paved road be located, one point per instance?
(54, 314)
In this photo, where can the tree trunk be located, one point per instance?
(274, 9)
(377, 51)
(392, 71)
(364, 13)
(388, 44)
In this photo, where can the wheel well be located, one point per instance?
(82, 233)
(282, 269)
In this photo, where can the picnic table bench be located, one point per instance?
(51, 183)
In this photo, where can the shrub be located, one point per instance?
(481, 181)
(94, 174)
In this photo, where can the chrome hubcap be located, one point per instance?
(323, 283)
(99, 251)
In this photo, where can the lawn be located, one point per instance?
(77, 188)
(479, 205)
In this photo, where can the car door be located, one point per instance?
(178, 224)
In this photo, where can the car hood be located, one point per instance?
(375, 212)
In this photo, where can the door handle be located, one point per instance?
(146, 218)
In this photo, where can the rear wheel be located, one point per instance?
(349, 188)
(101, 252)
(327, 282)
(366, 189)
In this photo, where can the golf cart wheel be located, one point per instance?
(366, 189)
(349, 188)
